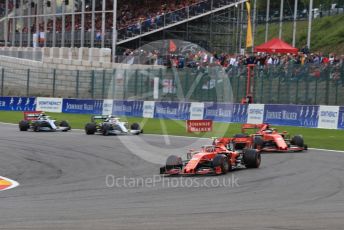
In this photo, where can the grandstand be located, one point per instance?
(74, 23)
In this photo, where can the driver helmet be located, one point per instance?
(42, 116)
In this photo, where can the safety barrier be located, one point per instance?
(312, 116)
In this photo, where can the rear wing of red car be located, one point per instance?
(257, 127)
(32, 115)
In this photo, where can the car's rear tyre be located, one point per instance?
(65, 124)
(221, 160)
(136, 126)
(90, 128)
(297, 140)
(105, 130)
(24, 125)
(252, 158)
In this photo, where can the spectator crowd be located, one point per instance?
(203, 58)
(133, 15)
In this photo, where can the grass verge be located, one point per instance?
(315, 138)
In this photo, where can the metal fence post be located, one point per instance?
(92, 84)
(238, 88)
(77, 84)
(297, 91)
(316, 91)
(28, 83)
(54, 81)
(336, 96)
(306, 91)
(327, 91)
(279, 90)
(113, 83)
(103, 86)
(287, 81)
(2, 81)
(135, 86)
(125, 86)
(215, 95)
(141, 84)
(160, 82)
(270, 89)
(262, 78)
(149, 87)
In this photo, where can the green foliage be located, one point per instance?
(327, 34)
(289, 4)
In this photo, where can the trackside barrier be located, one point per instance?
(311, 116)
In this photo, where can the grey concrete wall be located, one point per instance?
(62, 66)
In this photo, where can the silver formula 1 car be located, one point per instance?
(111, 125)
(39, 121)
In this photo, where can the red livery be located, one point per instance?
(268, 139)
(212, 159)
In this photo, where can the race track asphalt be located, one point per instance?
(67, 181)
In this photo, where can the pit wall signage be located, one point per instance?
(48, 104)
(127, 108)
(292, 115)
(172, 110)
(328, 117)
(255, 113)
(341, 118)
(82, 106)
(310, 116)
(18, 103)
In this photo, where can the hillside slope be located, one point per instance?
(327, 34)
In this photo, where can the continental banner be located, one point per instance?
(49, 104)
(328, 117)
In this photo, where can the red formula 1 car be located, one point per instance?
(267, 139)
(212, 159)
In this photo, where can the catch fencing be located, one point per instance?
(282, 84)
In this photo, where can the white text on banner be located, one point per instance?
(107, 106)
(255, 113)
(196, 111)
(328, 117)
(148, 109)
